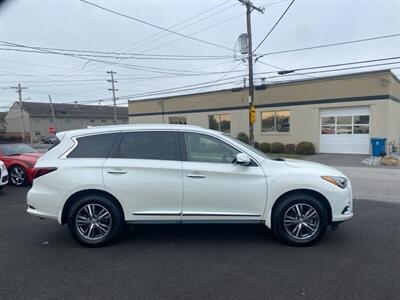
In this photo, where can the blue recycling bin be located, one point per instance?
(378, 146)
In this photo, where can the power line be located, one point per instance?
(156, 34)
(196, 32)
(163, 35)
(156, 26)
(342, 64)
(330, 45)
(136, 67)
(273, 27)
(124, 55)
(213, 83)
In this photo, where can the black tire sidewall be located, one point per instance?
(116, 217)
(279, 212)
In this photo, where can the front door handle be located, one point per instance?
(116, 172)
(195, 176)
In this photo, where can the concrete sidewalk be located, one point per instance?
(381, 184)
(345, 160)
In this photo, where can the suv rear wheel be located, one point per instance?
(300, 219)
(95, 221)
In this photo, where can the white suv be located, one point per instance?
(96, 180)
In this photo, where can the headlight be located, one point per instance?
(3, 167)
(336, 180)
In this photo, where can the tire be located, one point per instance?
(1, 187)
(299, 219)
(17, 175)
(95, 221)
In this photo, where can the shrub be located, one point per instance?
(256, 145)
(289, 149)
(305, 148)
(276, 147)
(243, 137)
(264, 147)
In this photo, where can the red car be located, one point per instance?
(19, 160)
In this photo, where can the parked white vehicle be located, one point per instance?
(96, 180)
(3, 175)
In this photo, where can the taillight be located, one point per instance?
(37, 172)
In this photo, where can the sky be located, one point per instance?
(73, 24)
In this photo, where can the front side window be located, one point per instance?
(158, 145)
(275, 121)
(177, 120)
(94, 146)
(203, 148)
(220, 122)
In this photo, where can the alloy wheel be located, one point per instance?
(301, 221)
(93, 221)
(17, 176)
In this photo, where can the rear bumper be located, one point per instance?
(43, 204)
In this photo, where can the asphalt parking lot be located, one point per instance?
(39, 260)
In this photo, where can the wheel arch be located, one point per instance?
(88, 192)
(311, 192)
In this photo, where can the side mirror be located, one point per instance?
(242, 159)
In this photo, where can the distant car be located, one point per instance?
(19, 160)
(96, 180)
(3, 175)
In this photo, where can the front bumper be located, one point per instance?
(342, 204)
(3, 177)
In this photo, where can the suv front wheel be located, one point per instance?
(95, 221)
(299, 219)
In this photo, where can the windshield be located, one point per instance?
(259, 152)
(16, 149)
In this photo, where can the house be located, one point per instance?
(38, 119)
(338, 114)
(2, 122)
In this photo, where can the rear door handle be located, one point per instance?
(116, 172)
(195, 176)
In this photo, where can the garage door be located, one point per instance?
(344, 130)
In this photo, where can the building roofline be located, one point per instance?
(298, 81)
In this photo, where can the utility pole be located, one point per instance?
(53, 114)
(19, 91)
(113, 89)
(249, 8)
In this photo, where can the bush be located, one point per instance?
(256, 145)
(243, 137)
(264, 147)
(276, 147)
(305, 148)
(289, 149)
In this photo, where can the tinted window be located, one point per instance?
(203, 148)
(94, 146)
(160, 145)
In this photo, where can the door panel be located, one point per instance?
(150, 189)
(215, 188)
(145, 173)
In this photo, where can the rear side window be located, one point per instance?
(159, 145)
(94, 146)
